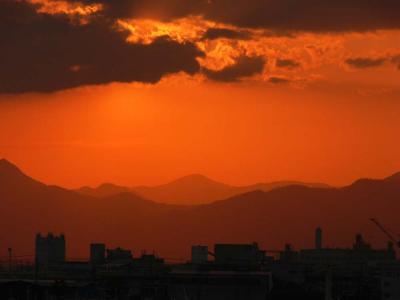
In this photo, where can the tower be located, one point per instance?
(50, 249)
(97, 254)
(318, 238)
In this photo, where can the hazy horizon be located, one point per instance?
(194, 175)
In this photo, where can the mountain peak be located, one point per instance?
(4, 161)
(190, 189)
(108, 185)
(196, 182)
(195, 178)
(196, 175)
(363, 182)
(7, 166)
(104, 190)
(11, 175)
(394, 177)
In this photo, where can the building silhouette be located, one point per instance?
(199, 254)
(231, 271)
(49, 250)
(119, 256)
(318, 238)
(238, 254)
(97, 254)
(361, 252)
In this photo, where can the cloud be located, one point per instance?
(308, 15)
(217, 33)
(245, 66)
(305, 15)
(45, 53)
(287, 63)
(278, 80)
(396, 61)
(365, 62)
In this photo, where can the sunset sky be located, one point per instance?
(142, 92)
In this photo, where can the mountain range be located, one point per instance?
(189, 190)
(287, 214)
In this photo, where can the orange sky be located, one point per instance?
(331, 116)
(236, 133)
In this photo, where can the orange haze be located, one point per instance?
(235, 133)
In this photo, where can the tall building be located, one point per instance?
(318, 238)
(119, 255)
(97, 254)
(49, 250)
(199, 254)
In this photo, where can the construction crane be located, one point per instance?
(385, 231)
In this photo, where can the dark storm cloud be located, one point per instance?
(365, 62)
(287, 63)
(308, 15)
(217, 33)
(244, 67)
(43, 53)
(161, 9)
(297, 15)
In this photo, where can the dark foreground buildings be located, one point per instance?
(49, 250)
(227, 271)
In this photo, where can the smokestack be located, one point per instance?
(318, 238)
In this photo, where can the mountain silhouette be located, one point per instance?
(198, 189)
(28, 206)
(189, 190)
(104, 190)
(283, 215)
(192, 189)
(12, 177)
(394, 178)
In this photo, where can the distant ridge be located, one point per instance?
(103, 190)
(394, 178)
(190, 190)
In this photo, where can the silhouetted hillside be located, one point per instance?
(189, 190)
(266, 187)
(104, 190)
(11, 177)
(273, 218)
(192, 189)
(394, 178)
(28, 207)
(198, 189)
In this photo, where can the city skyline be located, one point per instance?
(210, 272)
